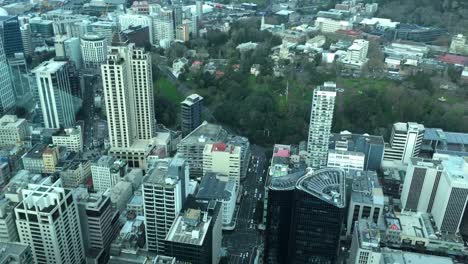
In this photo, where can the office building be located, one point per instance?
(75, 173)
(128, 91)
(165, 188)
(224, 159)
(459, 45)
(13, 130)
(214, 187)
(26, 38)
(120, 194)
(41, 28)
(138, 35)
(15, 253)
(367, 199)
(99, 222)
(70, 138)
(405, 142)
(418, 33)
(129, 245)
(104, 29)
(436, 140)
(305, 213)
(93, 50)
(47, 220)
(357, 53)
(33, 161)
(11, 35)
(163, 26)
(183, 31)
(130, 20)
(106, 172)
(191, 113)
(195, 236)
(8, 231)
(328, 25)
(421, 184)
(321, 118)
(7, 95)
(199, 9)
(452, 194)
(50, 156)
(346, 160)
(365, 245)
(55, 97)
(22, 80)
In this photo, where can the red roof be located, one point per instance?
(219, 147)
(197, 63)
(282, 153)
(454, 59)
(394, 227)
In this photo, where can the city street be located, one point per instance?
(242, 243)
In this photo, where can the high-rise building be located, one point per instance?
(99, 222)
(55, 97)
(196, 235)
(191, 110)
(224, 159)
(405, 142)
(421, 184)
(26, 38)
(7, 95)
(13, 130)
(321, 118)
(22, 79)
(105, 29)
(128, 90)
(93, 50)
(165, 188)
(452, 194)
(47, 220)
(128, 20)
(11, 35)
(199, 9)
(366, 201)
(106, 172)
(305, 213)
(163, 27)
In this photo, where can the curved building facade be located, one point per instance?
(93, 50)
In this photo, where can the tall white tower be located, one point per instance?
(321, 118)
(128, 92)
(47, 220)
(405, 142)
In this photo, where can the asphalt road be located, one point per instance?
(241, 244)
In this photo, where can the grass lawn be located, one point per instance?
(165, 88)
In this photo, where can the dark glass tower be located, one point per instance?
(305, 217)
(11, 33)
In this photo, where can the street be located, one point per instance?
(242, 243)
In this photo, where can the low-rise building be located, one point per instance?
(15, 253)
(13, 130)
(70, 138)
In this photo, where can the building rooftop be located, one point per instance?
(211, 188)
(438, 134)
(206, 133)
(190, 228)
(404, 257)
(11, 249)
(105, 161)
(36, 152)
(456, 167)
(49, 67)
(366, 188)
(326, 184)
(164, 171)
(368, 235)
(404, 127)
(192, 99)
(10, 121)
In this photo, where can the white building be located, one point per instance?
(365, 245)
(224, 159)
(357, 53)
(27, 39)
(13, 130)
(420, 185)
(163, 27)
(94, 51)
(7, 95)
(120, 195)
(459, 45)
(70, 138)
(106, 172)
(165, 188)
(452, 193)
(47, 220)
(104, 29)
(346, 160)
(321, 118)
(405, 142)
(56, 99)
(75, 173)
(328, 25)
(127, 20)
(7, 223)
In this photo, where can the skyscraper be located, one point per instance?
(164, 191)
(128, 91)
(47, 220)
(11, 34)
(7, 96)
(321, 118)
(54, 94)
(163, 27)
(191, 109)
(405, 142)
(93, 51)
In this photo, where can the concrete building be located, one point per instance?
(75, 173)
(120, 194)
(405, 142)
(165, 188)
(437, 140)
(459, 45)
(321, 118)
(8, 232)
(33, 161)
(99, 222)
(128, 20)
(367, 200)
(47, 220)
(129, 245)
(129, 101)
(452, 194)
(104, 29)
(214, 187)
(27, 39)
(356, 54)
(191, 113)
(196, 235)
(224, 159)
(11, 35)
(106, 172)
(183, 31)
(70, 138)
(163, 27)
(15, 253)
(328, 25)
(50, 156)
(93, 51)
(54, 92)
(13, 130)
(7, 95)
(346, 160)
(421, 184)
(365, 245)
